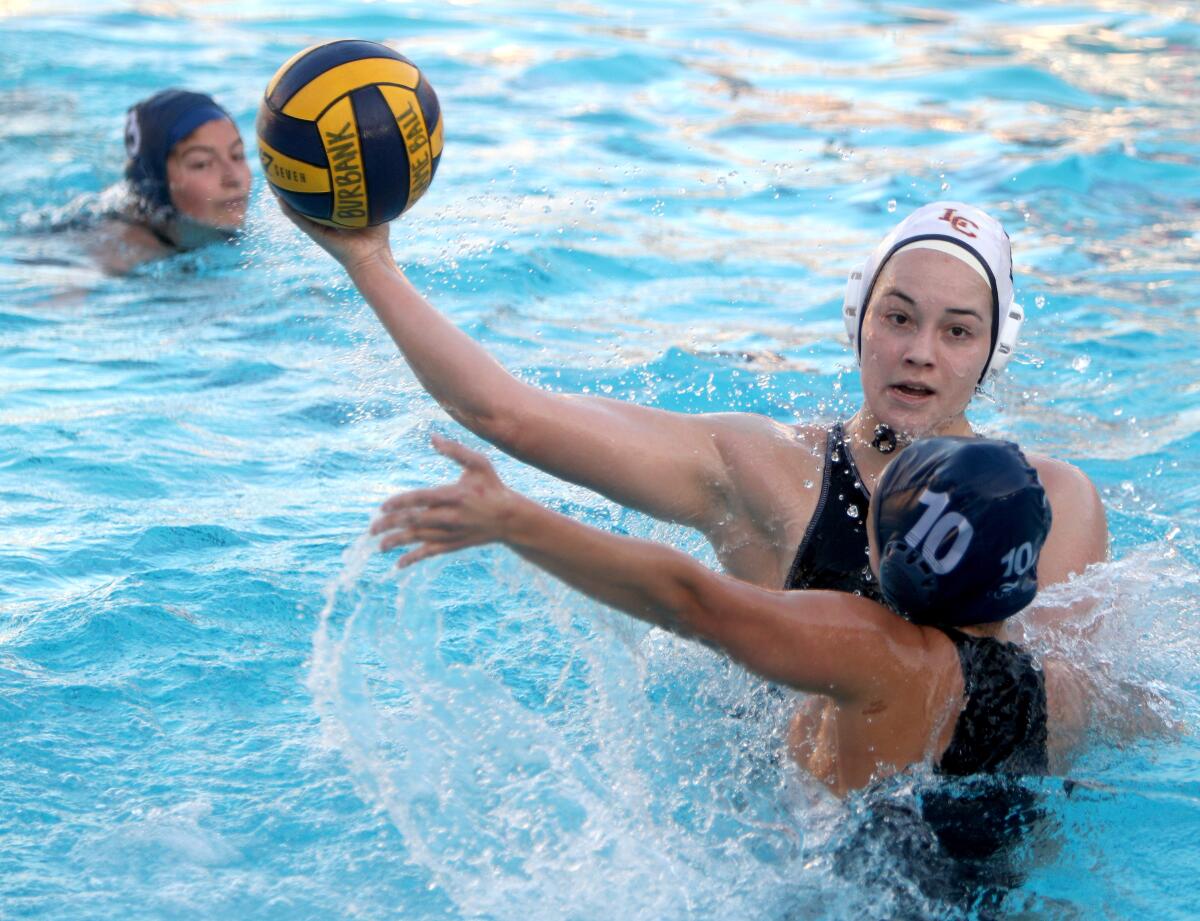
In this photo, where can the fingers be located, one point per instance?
(398, 538)
(425, 551)
(421, 498)
(420, 524)
(303, 222)
(461, 454)
(433, 517)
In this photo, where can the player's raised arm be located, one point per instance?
(381, 156)
(668, 465)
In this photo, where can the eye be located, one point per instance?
(961, 332)
(897, 318)
(197, 165)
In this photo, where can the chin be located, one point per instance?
(915, 422)
(226, 224)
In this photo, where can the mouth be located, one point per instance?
(911, 391)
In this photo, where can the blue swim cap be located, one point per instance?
(152, 128)
(959, 523)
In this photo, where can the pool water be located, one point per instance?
(216, 702)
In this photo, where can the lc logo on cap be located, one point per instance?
(959, 223)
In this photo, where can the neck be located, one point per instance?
(187, 234)
(998, 630)
(863, 425)
(861, 435)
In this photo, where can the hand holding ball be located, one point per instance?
(349, 133)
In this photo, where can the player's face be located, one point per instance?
(925, 338)
(208, 175)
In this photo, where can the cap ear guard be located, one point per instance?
(852, 303)
(1009, 331)
(906, 580)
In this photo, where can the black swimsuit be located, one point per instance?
(957, 841)
(1002, 726)
(833, 554)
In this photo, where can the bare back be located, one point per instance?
(846, 744)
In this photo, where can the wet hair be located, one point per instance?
(152, 129)
(960, 524)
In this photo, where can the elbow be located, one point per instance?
(507, 416)
(686, 605)
(486, 420)
(496, 419)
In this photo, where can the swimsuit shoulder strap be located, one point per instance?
(795, 573)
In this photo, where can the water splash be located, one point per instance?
(511, 749)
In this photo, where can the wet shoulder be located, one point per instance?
(752, 440)
(1079, 527)
(1062, 480)
(119, 246)
(1069, 696)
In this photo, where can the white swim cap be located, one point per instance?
(962, 231)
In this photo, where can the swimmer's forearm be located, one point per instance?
(452, 367)
(822, 642)
(646, 580)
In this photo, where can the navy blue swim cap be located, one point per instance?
(959, 523)
(152, 128)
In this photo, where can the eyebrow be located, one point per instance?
(965, 311)
(896, 292)
(204, 148)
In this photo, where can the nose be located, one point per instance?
(232, 174)
(920, 350)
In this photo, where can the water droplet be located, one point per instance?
(1039, 302)
(808, 484)
(891, 206)
(1081, 362)
(852, 511)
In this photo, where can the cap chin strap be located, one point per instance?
(1012, 317)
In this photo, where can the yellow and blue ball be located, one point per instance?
(350, 133)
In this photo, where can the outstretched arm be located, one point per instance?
(825, 642)
(668, 465)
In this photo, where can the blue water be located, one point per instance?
(216, 703)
